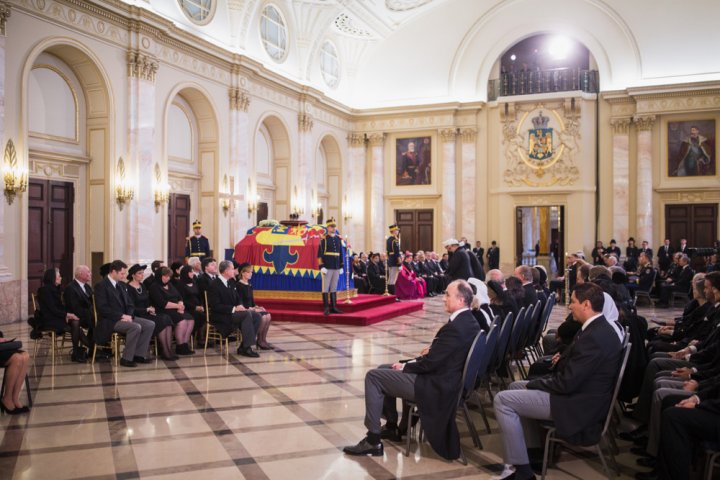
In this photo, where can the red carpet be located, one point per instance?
(364, 310)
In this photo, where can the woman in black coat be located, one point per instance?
(245, 291)
(166, 299)
(55, 317)
(194, 302)
(141, 299)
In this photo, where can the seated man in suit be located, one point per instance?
(680, 282)
(115, 314)
(78, 300)
(576, 395)
(525, 275)
(227, 312)
(432, 380)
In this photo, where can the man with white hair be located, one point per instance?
(495, 275)
(78, 301)
(195, 264)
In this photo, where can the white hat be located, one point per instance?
(450, 241)
(580, 254)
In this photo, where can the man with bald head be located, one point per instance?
(78, 300)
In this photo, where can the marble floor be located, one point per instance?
(286, 415)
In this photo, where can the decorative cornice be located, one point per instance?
(620, 125)
(305, 122)
(142, 66)
(356, 139)
(644, 122)
(239, 99)
(4, 15)
(468, 134)
(448, 134)
(376, 139)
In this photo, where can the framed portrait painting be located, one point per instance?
(413, 162)
(691, 148)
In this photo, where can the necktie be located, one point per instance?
(86, 290)
(120, 292)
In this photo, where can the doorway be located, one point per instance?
(50, 230)
(416, 227)
(697, 223)
(178, 226)
(539, 237)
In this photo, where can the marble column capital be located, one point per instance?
(468, 134)
(376, 139)
(142, 66)
(644, 122)
(305, 122)
(620, 125)
(4, 15)
(356, 139)
(448, 134)
(239, 99)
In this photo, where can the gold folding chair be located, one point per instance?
(114, 342)
(49, 334)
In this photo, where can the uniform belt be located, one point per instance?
(331, 253)
(197, 254)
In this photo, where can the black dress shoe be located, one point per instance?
(651, 475)
(647, 462)
(138, 359)
(247, 352)
(391, 432)
(127, 363)
(267, 346)
(365, 448)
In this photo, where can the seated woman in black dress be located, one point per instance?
(166, 299)
(55, 317)
(141, 298)
(16, 363)
(248, 301)
(194, 303)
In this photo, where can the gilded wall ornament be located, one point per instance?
(540, 149)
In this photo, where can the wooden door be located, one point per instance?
(416, 229)
(50, 230)
(179, 226)
(262, 212)
(697, 223)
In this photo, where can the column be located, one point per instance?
(448, 226)
(376, 216)
(354, 190)
(468, 191)
(621, 179)
(644, 223)
(143, 241)
(240, 165)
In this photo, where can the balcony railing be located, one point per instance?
(530, 82)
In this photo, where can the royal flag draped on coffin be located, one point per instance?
(284, 258)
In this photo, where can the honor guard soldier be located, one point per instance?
(330, 260)
(394, 259)
(198, 245)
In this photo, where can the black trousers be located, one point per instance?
(681, 430)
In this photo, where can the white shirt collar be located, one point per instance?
(114, 283)
(223, 280)
(590, 320)
(454, 315)
(82, 285)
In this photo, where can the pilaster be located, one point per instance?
(644, 222)
(376, 215)
(448, 225)
(621, 179)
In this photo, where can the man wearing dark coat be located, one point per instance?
(432, 380)
(198, 244)
(493, 256)
(575, 396)
(459, 267)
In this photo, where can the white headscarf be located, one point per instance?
(481, 290)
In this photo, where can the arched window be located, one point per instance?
(273, 33)
(198, 11)
(330, 64)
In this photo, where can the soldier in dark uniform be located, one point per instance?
(331, 261)
(645, 275)
(394, 259)
(197, 245)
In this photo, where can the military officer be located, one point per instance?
(331, 261)
(197, 245)
(394, 259)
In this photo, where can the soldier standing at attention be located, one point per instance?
(197, 245)
(330, 260)
(394, 259)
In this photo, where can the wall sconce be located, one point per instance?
(124, 190)
(15, 175)
(347, 213)
(317, 208)
(297, 207)
(162, 190)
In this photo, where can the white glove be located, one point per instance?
(323, 271)
(342, 271)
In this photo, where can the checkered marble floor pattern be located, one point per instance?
(285, 415)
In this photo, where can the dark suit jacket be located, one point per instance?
(684, 279)
(493, 256)
(476, 268)
(221, 300)
(665, 258)
(79, 303)
(111, 304)
(479, 253)
(530, 297)
(459, 265)
(376, 277)
(437, 385)
(52, 310)
(582, 383)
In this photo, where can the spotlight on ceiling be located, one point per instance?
(559, 47)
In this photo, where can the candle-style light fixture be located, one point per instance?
(226, 201)
(161, 191)
(347, 211)
(15, 174)
(124, 190)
